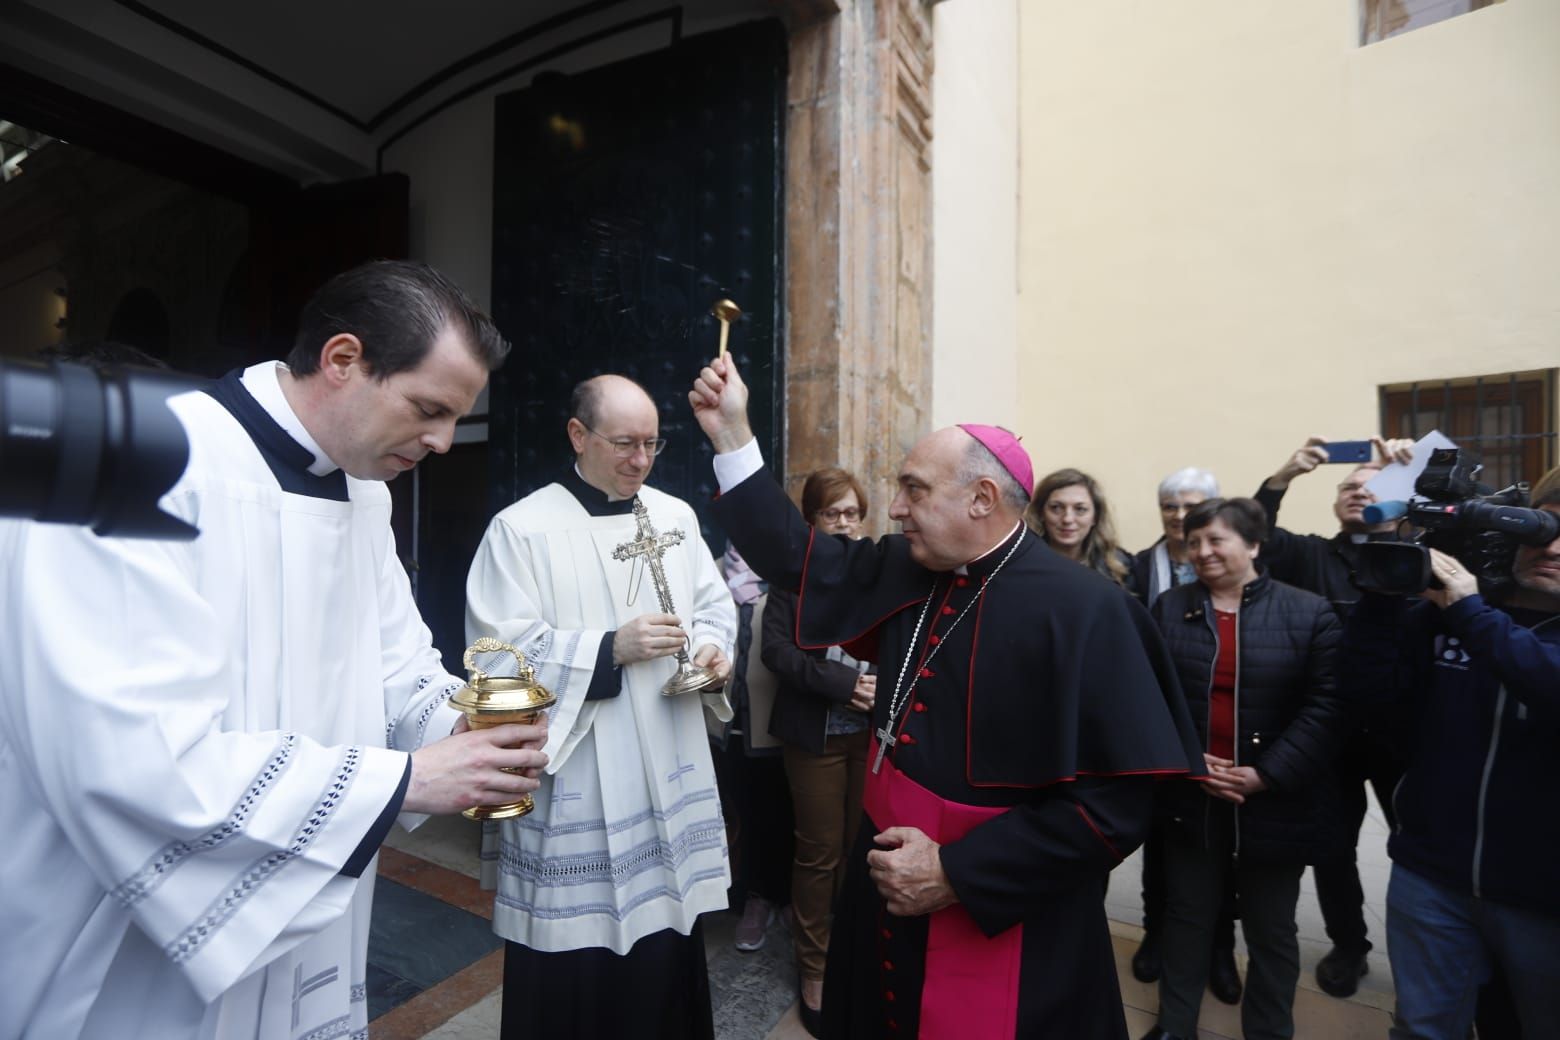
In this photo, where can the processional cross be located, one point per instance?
(652, 547)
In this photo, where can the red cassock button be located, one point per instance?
(934, 640)
(927, 673)
(888, 965)
(961, 582)
(905, 738)
(888, 995)
(947, 611)
(887, 934)
(920, 706)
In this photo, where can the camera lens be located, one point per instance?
(77, 447)
(1395, 568)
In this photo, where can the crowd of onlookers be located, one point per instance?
(1303, 689)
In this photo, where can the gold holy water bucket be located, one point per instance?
(495, 700)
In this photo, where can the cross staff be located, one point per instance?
(652, 547)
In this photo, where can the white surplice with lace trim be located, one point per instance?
(194, 739)
(627, 837)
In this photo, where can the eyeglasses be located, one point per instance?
(624, 447)
(1172, 508)
(830, 516)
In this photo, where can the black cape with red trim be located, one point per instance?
(1053, 696)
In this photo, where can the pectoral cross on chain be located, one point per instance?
(885, 737)
(652, 547)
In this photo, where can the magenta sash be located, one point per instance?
(971, 988)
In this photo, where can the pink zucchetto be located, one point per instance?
(1008, 451)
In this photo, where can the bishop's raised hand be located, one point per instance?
(719, 398)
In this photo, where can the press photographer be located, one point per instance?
(1473, 688)
(1455, 514)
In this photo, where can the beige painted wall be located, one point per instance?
(1237, 223)
(975, 212)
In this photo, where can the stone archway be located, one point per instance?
(858, 237)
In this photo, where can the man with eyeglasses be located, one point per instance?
(601, 887)
(1325, 565)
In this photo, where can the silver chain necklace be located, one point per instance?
(902, 693)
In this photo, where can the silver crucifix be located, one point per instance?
(885, 737)
(652, 547)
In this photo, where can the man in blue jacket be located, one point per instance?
(1475, 689)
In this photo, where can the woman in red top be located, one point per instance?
(1255, 659)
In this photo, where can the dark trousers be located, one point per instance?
(1445, 945)
(756, 800)
(1154, 894)
(659, 990)
(1364, 760)
(1195, 877)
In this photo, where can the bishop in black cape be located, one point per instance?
(1050, 711)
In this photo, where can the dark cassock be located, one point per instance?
(1030, 709)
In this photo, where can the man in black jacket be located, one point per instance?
(1476, 689)
(1324, 565)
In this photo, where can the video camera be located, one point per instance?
(93, 448)
(1454, 513)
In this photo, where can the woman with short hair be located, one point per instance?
(1165, 564)
(1161, 566)
(822, 715)
(1255, 661)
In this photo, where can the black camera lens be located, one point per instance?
(98, 450)
(1395, 568)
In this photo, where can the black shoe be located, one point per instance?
(1146, 963)
(812, 1018)
(1339, 972)
(1223, 979)
(1159, 1034)
(812, 1021)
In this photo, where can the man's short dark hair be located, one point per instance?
(1244, 516)
(397, 309)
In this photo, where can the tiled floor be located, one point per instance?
(753, 994)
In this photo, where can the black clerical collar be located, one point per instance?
(984, 565)
(592, 498)
(289, 460)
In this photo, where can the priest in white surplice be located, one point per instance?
(600, 889)
(203, 744)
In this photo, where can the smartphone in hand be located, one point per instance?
(1355, 452)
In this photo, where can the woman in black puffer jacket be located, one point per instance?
(1255, 659)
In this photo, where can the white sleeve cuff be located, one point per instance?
(734, 467)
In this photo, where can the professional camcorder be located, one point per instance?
(1454, 513)
(97, 448)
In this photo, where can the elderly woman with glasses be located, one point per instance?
(1255, 660)
(1166, 564)
(822, 714)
